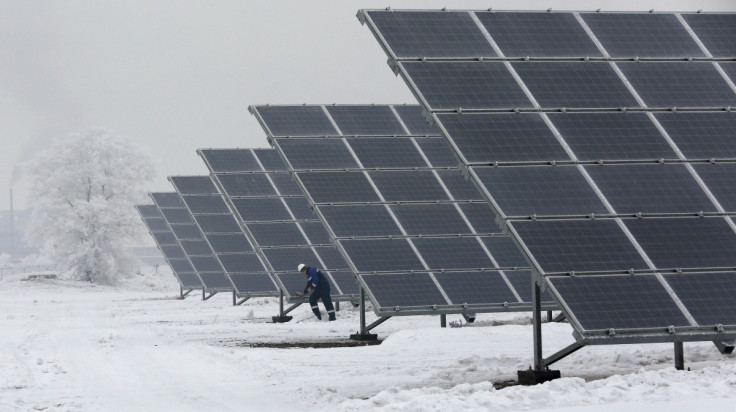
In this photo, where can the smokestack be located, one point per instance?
(12, 224)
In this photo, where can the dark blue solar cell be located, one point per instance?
(346, 282)
(254, 184)
(431, 34)
(165, 238)
(181, 265)
(252, 283)
(387, 153)
(229, 160)
(167, 199)
(189, 280)
(416, 289)
(293, 282)
(309, 154)
(331, 258)
(316, 233)
(612, 136)
(216, 281)
(360, 220)
(521, 280)
(205, 264)
(686, 242)
(481, 216)
(543, 190)
(651, 188)
(453, 253)
(194, 185)
(708, 297)
(438, 152)
(704, 135)
(720, 178)
(277, 234)
(261, 209)
(287, 259)
(414, 120)
(466, 85)
(366, 120)
(579, 245)
(300, 208)
(538, 34)
(716, 31)
(679, 84)
(642, 35)
(186, 232)
(604, 302)
(382, 255)
(196, 247)
(505, 251)
(285, 184)
(241, 262)
(206, 204)
(460, 188)
(148, 211)
(329, 187)
(502, 137)
(173, 252)
(430, 219)
(177, 216)
(408, 185)
(157, 224)
(270, 160)
(574, 84)
(229, 243)
(296, 121)
(475, 287)
(218, 223)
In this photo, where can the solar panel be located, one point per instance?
(503, 137)
(417, 289)
(360, 220)
(382, 255)
(414, 120)
(206, 204)
(261, 209)
(701, 292)
(612, 136)
(270, 160)
(505, 252)
(224, 160)
(296, 121)
(387, 153)
(442, 253)
(679, 84)
(426, 34)
(704, 135)
(173, 252)
(466, 85)
(242, 262)
(229, 243)
(430, 219)
(147, 211)
(156, 224)
(256, 282)
(459, 187)
(256, 185)
(224, 223)
(167, 199)
(475, 287)
(316, 233)
(318, 154)
(165, 238)
(642, 35)
(574, 85)
(538, 34)
(438, 152)
(716, 31)
(356, 187)
(543, 190)
(651, 188)
(366, 120)
(193, 185)
(277, 234)
(480, 216)
(408, 186)
(186, 232)
(720, 178)
(300, 208)
(285, 184)
(177, 216)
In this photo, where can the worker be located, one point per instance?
(318, 284)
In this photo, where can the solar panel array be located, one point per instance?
(604, 142)
(198, 253)
(276, 217)
(169, 246)
(417, 234)
(233, 252)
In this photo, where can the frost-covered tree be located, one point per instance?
(82, 191)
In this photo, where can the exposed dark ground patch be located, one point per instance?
(301, 344)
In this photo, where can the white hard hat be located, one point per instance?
(301, 266)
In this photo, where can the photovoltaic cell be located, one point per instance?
(387, 153)
(730, 69)
(460, 188)
(296, 120)
(612, 136)
(300, 208)
(206, 204)
(502, 137)
(205, 264)
(705, 135)
(270, 160)
(366, 120)
(466, 85)
(167, 199)
(173, 252)
(686, 242)
(316, 233)
(505, 252)
(193, 185)
(521, 280)
(538, 34)
(189, 280)
(177, 216)
(438, 152)
(414, 120)
(481, 217)
(543, 190)
(382, 255)
(642, 35)
(346, 282)
(574, 84)
(229, 160)
(217, 223)
(579, 245)
(651, 188)
(285, 184)
(241, 262)
(256, 185)
(181, 265)
(287, 259)
(277, 234)
(293, 282)
(165, 238)
(261, 209)
(475, 287)
(716, 31)
(257, 282)
(453, 253)
(702, 292)
(196, 247)
(331, 257)
(360, 220)
(216, 280)
(679, 84)
(147, 211)
(229, 243)
(186, 232)
(430, 219)
(335, 187)
(306, 154)
(431, 34)
(408, 185)
(157, 224)
(603, 302)
(416, 289)
(721, 180)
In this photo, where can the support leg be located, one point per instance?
(282, 318)
(337, 306)
(443, 320)
(679, 356)
(549, 316)
(541, 372)
(363, 334)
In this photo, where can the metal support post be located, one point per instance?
(443, 320)
(363, 334)
(337, 306)
(540, 373)
(549, 316)
(679, 356)
(235, 298)
(282, 318)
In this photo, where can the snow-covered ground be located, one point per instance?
(72, 346)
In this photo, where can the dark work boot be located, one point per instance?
(317, 313)
(332, 315)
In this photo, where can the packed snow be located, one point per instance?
(76, 346)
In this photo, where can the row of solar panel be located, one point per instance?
(463, 34)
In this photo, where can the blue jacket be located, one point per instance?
(316, 278)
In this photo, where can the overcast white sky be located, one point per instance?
(175, 76)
